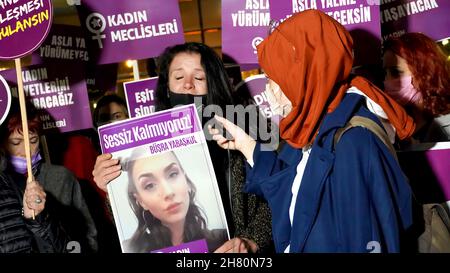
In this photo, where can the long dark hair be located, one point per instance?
(151, 234)
(218, 84)
(219, 94)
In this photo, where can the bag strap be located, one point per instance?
(371, 126)
(443, 214)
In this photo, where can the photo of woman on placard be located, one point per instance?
(163, 199)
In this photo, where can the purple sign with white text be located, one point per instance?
(244, 25)
(141, 96)
(61, 94)
(118, 30)
(431, 17)
(5, 99)
(148, 129)
(256, 86)
(24, 24)
(360, 17)
(63, 43)
(198, 246)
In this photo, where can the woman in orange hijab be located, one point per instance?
(326, 195)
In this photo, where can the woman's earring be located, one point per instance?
(147, 230)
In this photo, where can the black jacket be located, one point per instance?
(18, 234)
(248, 215)
(65, 203)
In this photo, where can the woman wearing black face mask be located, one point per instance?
(193, 73)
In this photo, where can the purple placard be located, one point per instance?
(427, 166)
(256, 86)
(198, 246)
(439, 161)
(431, 17)
(360, 17)
(24, 24)
(60, 93)
(141, 96)
(118, 30)
(148, 129)
(63, 43)
(5, 99)
(244, 25)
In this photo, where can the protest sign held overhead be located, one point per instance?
(24, 24)
(360, 17)
(141, 96)
(119, 30)
(430, 17)
(245, 24)
(61, 93)
(63, 43)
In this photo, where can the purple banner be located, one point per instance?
(118, 30)
(5, 99)
(61, 93)
(360, 17)
(63, 43)
(141, 96)
(148, 129)
(427, 167)
(431, 17)
(198, 246)
(24, 24)
(244, 25)
(256, 86)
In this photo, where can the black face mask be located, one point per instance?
(184, 99)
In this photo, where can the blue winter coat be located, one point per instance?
(353, 199)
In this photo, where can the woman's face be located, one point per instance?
(395, 66)
(162, 188)
(186, 75)
(278, 101)
(15, 145)
(111, 113)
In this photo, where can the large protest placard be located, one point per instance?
(427, 166)
(118, 30)
(431, 17)
(245, 23)
(63, 43)
(360, 17)
(141, 96)
(166, 198)
(5, 99)
(59, 92)
(24, 24)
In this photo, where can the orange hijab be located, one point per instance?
(310, 57)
